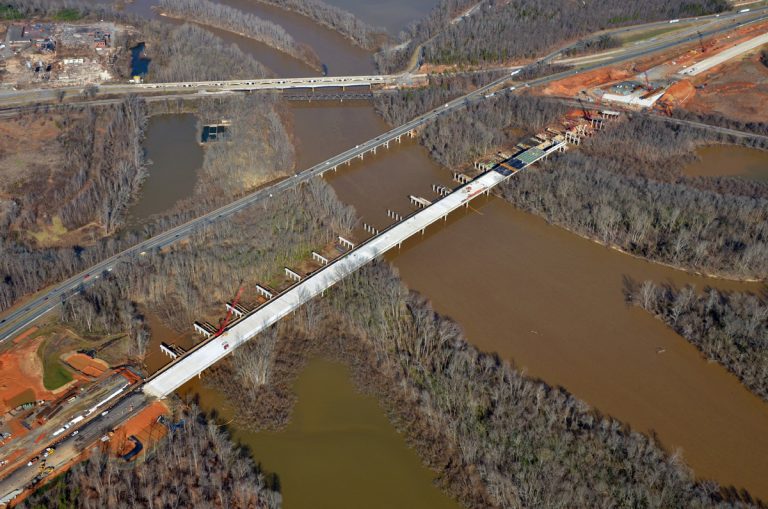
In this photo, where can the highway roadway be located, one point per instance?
(12, 97)
(23, 316)
(69, 447)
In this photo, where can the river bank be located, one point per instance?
(222, 17)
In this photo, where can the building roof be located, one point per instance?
(15, 33)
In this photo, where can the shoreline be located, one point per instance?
(303, 53)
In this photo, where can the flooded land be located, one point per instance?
(729, 161)
(340, 451)
(171, 145)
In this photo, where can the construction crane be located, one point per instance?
(587, 113)
(647, 83)
(231, 308)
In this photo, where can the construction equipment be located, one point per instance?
(665, 106)
(585, 110)
(701, 41)
(230, 310)
(648, 86)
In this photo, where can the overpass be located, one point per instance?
(207, 353)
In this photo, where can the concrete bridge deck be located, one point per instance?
(274, 83)
(208, 353)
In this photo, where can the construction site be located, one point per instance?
(49, 390)
(36, 54)
(722, 74)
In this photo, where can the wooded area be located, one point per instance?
(344, 22)
(504, 31)
(191, 53)
(230, 19)
(258, 147)
(101, 170)
(730, 328)
(633, 195)
(197, 465)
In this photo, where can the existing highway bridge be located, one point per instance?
(41, 95)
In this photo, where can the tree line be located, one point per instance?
(191, 53)
(51, 8)
(344, 22)
(728, 327)
(196, 465)
(502, 31)
(228, 18)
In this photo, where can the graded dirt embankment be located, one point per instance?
(22, 375)
(144, 426)
(86, 365)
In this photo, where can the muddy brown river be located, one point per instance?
(171, 146)
(552, 303)
(545, 299)
(729, 161)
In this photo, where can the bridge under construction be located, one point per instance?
(216, 347)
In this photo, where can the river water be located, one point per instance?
(394, 15)
(171, 146)
(552, 303)
(340, 451)
(545, 299)
(729, 161)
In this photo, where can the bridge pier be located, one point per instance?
(264, 292)
(292, 274)
(346, 243)
(370, 229)
(322, 260)
(394, 215)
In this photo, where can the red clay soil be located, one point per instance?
(575, 84)
(738, 90)
(143, 426)
(24, 334)
(679, 93)
(21, 370)
(86, 365)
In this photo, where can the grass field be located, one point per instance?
(642, 36)
(54, 373)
